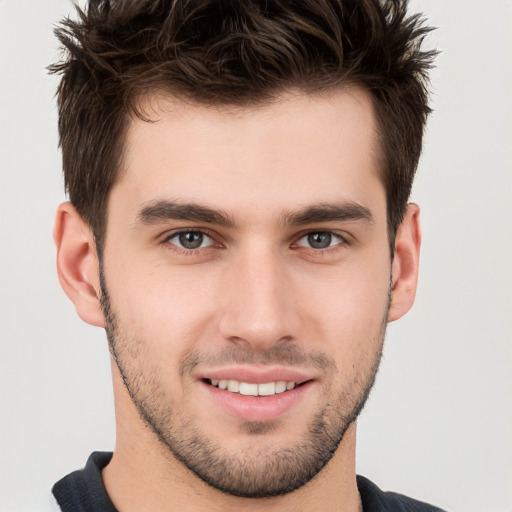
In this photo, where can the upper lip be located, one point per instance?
(257, 375)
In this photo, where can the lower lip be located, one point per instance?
(257, 408)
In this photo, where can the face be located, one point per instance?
(245, 282)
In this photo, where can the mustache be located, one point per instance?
(286, 355)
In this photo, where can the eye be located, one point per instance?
(320, 240)
(190, 240)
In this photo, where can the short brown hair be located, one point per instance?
(234, 52)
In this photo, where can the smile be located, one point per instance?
(257, 401)
(252, 389)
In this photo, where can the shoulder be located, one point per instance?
(376, 500)
(84, 490)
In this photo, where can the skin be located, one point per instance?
(256, 288)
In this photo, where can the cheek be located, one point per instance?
(349, 311)
(168, 310)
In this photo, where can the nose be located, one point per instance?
(259, 303)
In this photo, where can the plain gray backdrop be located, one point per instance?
(438, 425)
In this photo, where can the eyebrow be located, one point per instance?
(161, 211)
(345, 211)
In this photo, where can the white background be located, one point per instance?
(438, 425)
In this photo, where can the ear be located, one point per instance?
(77, 264)
(404, 273)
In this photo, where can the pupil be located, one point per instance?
(320, 240)
(191, 239)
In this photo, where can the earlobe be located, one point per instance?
(404, 274)
(77, 264)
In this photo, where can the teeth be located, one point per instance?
(250, 389)
(280, 386)
(267, 389)
(233, 386)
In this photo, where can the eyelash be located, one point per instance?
(187, 252)
(343, 242)
(192, 252)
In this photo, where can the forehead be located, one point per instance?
(294, 150)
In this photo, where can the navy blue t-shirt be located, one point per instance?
(84, 491)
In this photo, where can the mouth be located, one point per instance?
(253, 396)
(253, 389)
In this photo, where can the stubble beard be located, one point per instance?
(258, 472)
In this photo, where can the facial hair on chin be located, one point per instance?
(256, 473)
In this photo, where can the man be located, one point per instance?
(238, 175)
